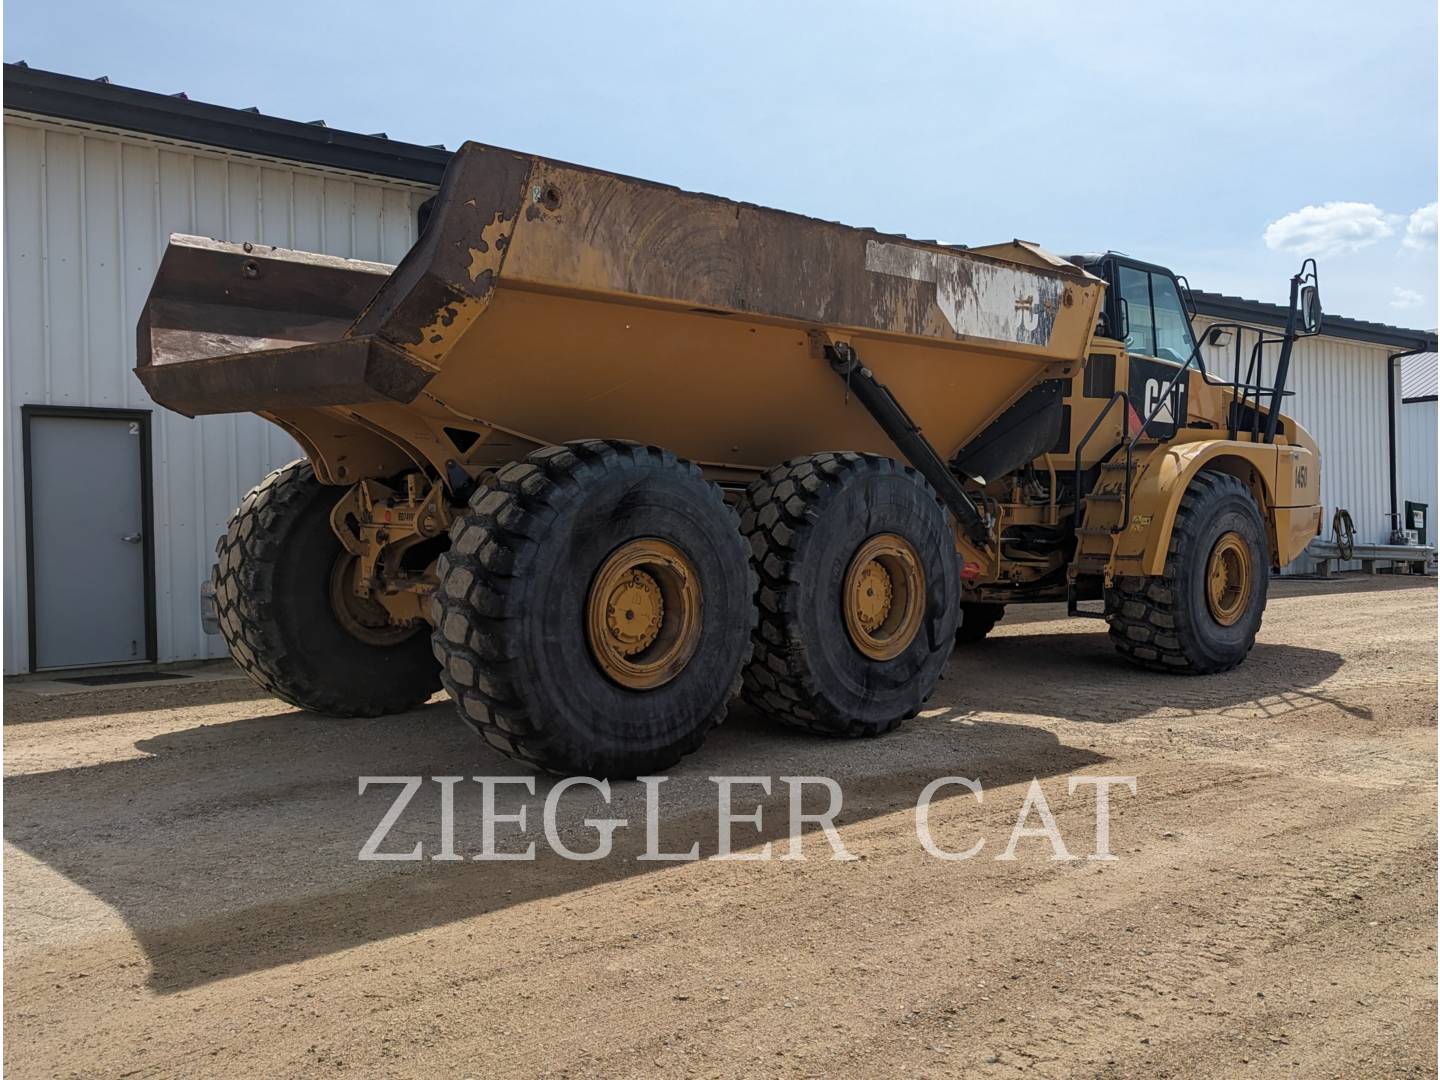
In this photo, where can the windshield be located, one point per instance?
(1158, 325)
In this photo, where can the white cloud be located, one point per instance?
(1420, 229)
(1406, 298)
(1329, 229)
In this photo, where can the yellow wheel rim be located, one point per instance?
(884, 598)
(1229, 578)
(642, 617)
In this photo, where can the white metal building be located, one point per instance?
(97, 177)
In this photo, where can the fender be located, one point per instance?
(1162, 477)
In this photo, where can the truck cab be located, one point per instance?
(1146, 312)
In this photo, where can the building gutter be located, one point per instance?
(1257, 313)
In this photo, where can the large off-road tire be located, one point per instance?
(818, 529)
(274, 578)
(977, 620)
(1201, 615)
(543, 572)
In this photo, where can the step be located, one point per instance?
(1074, 610)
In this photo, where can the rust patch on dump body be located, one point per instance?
(451, 321)
(619, 236)
(489, 251)
(442, 285)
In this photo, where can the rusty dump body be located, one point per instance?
(546, 302)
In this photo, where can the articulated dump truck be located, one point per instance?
(598, 455)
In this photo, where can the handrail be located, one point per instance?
(1197, 360)
(1160, 401)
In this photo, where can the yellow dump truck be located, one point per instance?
(600, 454)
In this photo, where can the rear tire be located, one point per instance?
(808, 522)
(527, 576)
(976, 621)
(272, 581)
(1175, 622)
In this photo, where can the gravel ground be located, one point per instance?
(183, 893)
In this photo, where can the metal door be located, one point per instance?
(87, 502)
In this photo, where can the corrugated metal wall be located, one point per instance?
(87, 214)
(1340, 390)
(1419, 481)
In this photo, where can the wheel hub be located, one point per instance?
(1229, 579)
(642, 615)
(633, 613)
(872, 596)
(362, 617)
(884, 596)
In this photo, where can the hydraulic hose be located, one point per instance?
(1344, 531)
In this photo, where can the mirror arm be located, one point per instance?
(1282, 367)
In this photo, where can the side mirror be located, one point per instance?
(1122, 332)
(1219, 337)
(1311, 317)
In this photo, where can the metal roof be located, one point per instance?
(175, 116)
(1238, 309)
(1418, 376)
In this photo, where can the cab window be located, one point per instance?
(1139, 318)
(1172, 325)
(1157, 320)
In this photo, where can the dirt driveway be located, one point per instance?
(183, 893)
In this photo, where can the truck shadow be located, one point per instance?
(233, 847)
(1076, 675)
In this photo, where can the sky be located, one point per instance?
(1224, 140)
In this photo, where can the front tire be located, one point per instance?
(277, 570)
(595, 609)
(858, 593)
(1201, 615)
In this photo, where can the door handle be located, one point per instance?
(133, 538)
